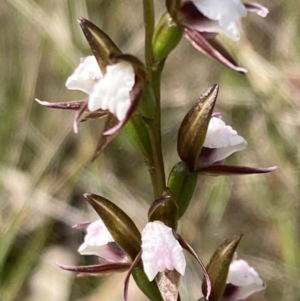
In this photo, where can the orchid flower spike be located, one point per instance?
(160, 250)
(202, 20)
(242, 281)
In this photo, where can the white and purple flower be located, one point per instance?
(202, 20)
(109, 91)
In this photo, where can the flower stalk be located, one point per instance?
(155, 163)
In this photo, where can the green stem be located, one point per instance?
(155, 163)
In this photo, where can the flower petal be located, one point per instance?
(245, 278)
(227, 12)
(98, 241)
(85, 76)
(112, 93)
(222, 140)
(161, 251)
(97, 235)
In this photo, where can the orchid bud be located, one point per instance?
(182, 183)
(166, 37)
(192, 131)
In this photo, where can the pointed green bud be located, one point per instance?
(182, 183)
(164, 210)
(192, 131)
(150, 289)
(119, 224)
(102, 46)
(166, 37)
(137, 134)
(218, 268)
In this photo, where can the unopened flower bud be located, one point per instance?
(166, 37)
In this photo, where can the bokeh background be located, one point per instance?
(45, 168)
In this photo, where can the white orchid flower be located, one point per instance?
(160, 250)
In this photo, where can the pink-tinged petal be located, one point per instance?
(98, 241)
(257, 8)
(85, 76)
(97, 235)
(161, 251)
(245, 280)
(227, 13)
(220, 142)
(200, 43)
(112, 93)
(225, 170)
(106, 268)
(71, 105)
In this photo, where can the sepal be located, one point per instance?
(212, 49)
(226, 170)
(218, 268)
(101, 45)
(165, 210)
(103, 269)
(192, 131)
(119, 224)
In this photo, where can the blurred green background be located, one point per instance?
(45, 167)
